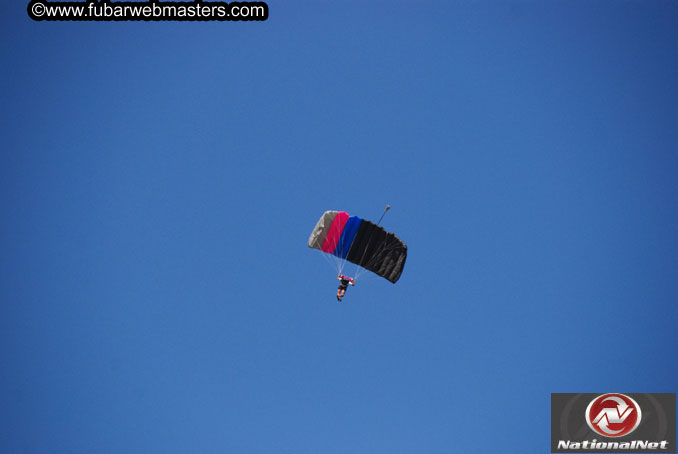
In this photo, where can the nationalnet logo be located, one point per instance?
(613, 422)
(613, 415)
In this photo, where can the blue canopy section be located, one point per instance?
(347, 236)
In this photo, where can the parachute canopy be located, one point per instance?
(361, 242)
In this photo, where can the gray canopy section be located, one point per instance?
(319, 233)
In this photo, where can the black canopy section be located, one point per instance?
(378, 251)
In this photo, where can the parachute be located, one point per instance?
(361, 242)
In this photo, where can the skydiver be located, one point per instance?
(345, 281)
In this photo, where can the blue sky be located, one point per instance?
(158, 183)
